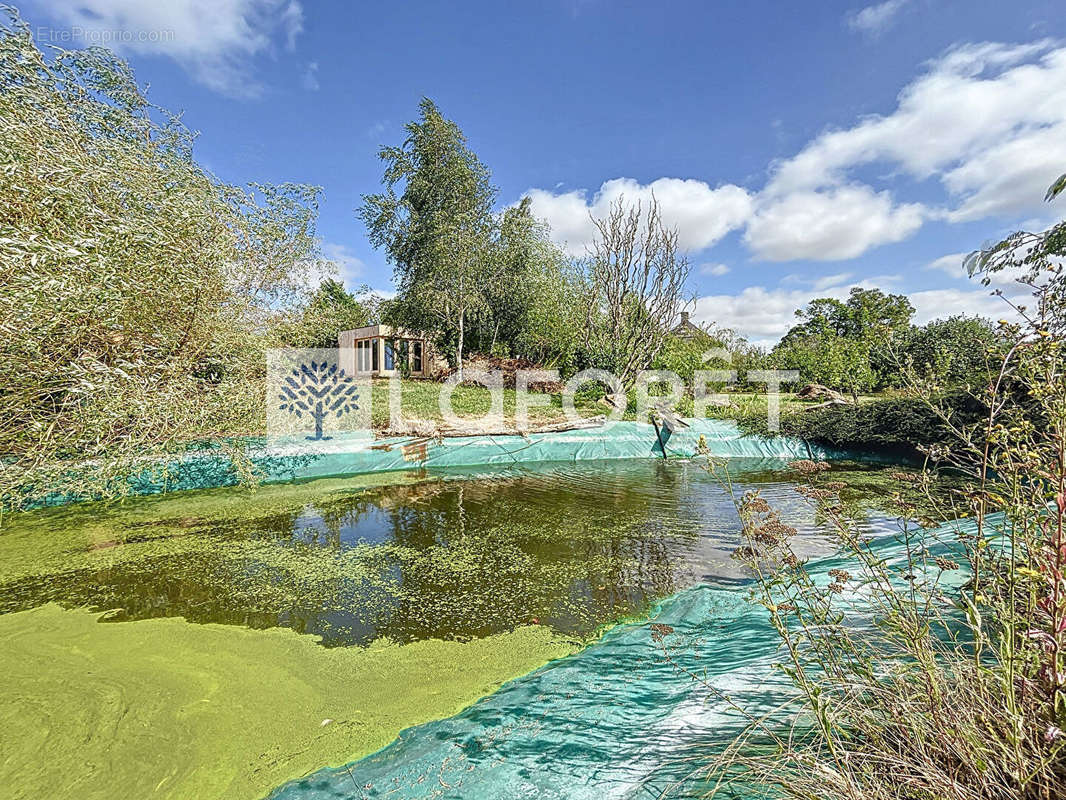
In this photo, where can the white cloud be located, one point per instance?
(942, 303)
(762, 315)
(765, 315)
(987, 120)
(215, 41)
(349, 266)
(829, 281)
(702, 215)
(874, 20)
(952, 264)
(1010, 176)
(714, 270)
(829, 225)
(379, 294)
(567, 215)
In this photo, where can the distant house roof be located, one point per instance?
(686, 329)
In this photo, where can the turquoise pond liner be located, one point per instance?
(296, 459)
(615, 720)
(354, 454)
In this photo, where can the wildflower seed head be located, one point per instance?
(659, 631)
(808, 467)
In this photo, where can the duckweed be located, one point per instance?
(163, 708)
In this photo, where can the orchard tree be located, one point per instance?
(839, 362)
(955, 352)
(867, 313)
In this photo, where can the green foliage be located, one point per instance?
(136, 289)
(867, 344)
(490, 282)
(900, 424)
(435, 222)
(955, 352)
(867, 313)
(686, 356)
(496, 283)
(531, 307)
(954, 682)
(834, 360)
(1056, 188)
(331, 309)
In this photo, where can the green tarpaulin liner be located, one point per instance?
(351, 454)
(616, 720)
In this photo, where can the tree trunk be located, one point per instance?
(462, 314)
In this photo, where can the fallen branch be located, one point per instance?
(432, 430)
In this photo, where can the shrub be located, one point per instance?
(955, 352)
(135, 289)
(898, 424)
(933, 666)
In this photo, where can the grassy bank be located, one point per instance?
(420, 400)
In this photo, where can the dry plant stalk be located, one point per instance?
(912, 683)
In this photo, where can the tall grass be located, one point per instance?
(933, 666)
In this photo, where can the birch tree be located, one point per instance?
(434, 220)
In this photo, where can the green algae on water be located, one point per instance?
(441, 578)
(167, 709)
(422, 558)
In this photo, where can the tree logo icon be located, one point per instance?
(318, 389)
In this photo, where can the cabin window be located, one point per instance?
(416, 356)
(398, 354)
(362, 356)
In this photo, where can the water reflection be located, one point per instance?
(458, 555)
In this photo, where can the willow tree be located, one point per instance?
(135, 288)
(435, 222)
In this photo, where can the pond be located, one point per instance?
(435, 588)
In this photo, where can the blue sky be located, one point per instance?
(800, 148)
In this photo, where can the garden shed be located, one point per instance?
(380, 351)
